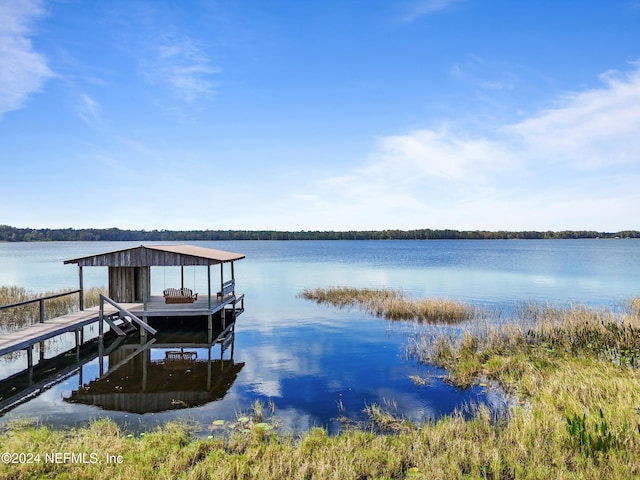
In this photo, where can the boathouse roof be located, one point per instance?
(158, 255)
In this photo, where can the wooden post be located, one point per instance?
(101, 320)
(143, 331)
(145, 294)
(81, 286)
(209, 316)
(182, 276)
(101, 354)
(146, 356)
(209, 284)
(233, 342)
(222, 278)
(145, 289)
(30, 356)
(233, 278)
(41, 349)
(209, 369)
(30, 364)
(77, 345)
(41, 302)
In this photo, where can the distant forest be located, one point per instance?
(12, 234)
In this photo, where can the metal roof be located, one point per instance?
(158, 255)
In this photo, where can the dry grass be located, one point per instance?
(534, 444)
(393, 304)
(25, 315)
(565, 363)
(538, 330)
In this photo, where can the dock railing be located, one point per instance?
(124, 312)
(41, 300)
(228, 287)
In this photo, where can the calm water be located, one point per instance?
(313, 362)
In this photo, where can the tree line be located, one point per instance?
(13, 234)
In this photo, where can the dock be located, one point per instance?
(26, 337)
(129, 304)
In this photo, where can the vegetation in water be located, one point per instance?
(538, 334)
(393, 304)
(24, 315)
(575, 415)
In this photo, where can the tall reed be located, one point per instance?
(393, 304)
(24, 315)
(541, 330)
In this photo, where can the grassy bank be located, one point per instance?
(574, 372)
(29, 314)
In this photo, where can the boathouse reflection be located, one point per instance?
(165, 373)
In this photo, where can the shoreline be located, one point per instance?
(14, 235)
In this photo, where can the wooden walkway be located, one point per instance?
(28, 336)
(25, 338)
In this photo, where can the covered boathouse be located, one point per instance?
(129, 272)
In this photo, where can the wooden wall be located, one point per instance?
(126, 283)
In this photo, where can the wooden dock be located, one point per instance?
(129, 304)
(25, 338)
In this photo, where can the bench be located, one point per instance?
(180, 356)
(227, 288)
(179, 295)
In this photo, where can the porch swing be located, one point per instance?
(182, 294)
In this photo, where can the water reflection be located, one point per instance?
(174, 370)
(47, 373)
(314, 375)
(185, 375)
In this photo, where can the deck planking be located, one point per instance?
(26, 337)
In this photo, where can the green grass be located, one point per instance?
(575, 415)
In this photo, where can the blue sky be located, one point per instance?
(320, 115)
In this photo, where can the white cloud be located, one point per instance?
(89, 110)
(589, 129)
(419, 8)
(183, 66)
(573, 166)
(23, 71)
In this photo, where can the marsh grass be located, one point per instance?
(579, 418)
(393, 304)
(26, 315)
(533, 444)
(544, 331)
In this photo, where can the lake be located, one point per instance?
(314, 363)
